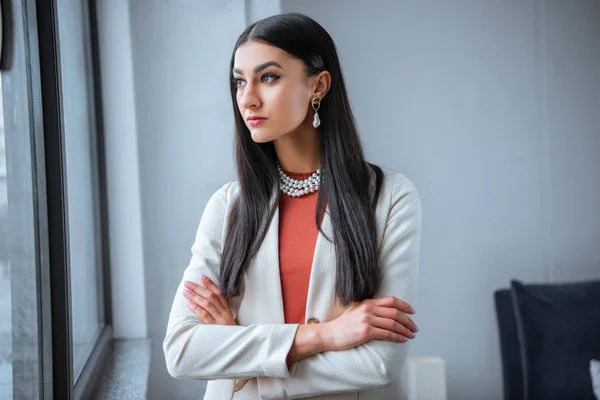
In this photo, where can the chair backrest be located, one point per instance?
(510, 347)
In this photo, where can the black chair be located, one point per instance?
(512, 368)
(548, 335)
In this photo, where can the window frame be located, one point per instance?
(52, 137)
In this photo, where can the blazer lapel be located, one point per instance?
(271, 267)
(321, 288)
(262, 285)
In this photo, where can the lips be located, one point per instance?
(255, 121)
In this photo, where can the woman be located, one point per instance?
(300, 269)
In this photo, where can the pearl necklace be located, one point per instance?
(296, 188)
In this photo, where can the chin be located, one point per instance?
(261, 136)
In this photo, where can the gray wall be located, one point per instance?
(491, 108)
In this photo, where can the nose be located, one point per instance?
(249, 99)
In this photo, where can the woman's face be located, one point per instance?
(273, 92)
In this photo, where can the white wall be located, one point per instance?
(121, 146)
(491, 108)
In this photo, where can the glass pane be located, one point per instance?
(79, 124)
(5, 298)
(21, 373)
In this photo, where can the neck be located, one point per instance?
(299, 151)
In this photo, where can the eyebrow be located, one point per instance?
(260, 67)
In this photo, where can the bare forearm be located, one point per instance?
(309, 341)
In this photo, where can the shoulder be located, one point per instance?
(399, 184)
(225, 195)
(399, 194)
(217, 209)
(396, 185)
(220, 202)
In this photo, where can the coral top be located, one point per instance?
(297, 239)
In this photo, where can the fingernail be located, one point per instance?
(412, 310)
(204, 278)
(191, 306)
(187, 292)
(187, 283)
(412, 335)
(416, 328)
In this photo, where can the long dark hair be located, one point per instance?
(346, 177)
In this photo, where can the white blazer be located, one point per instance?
(257, 349)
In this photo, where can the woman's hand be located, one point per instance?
(382, 318)
(208, 303)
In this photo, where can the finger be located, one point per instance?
(202, 315)
(391, 301)
(392, 326)
(210, 285)
(196, 287)
(398, 316)
(207, 305)
(207, 294)
(200, 290)
(384, 334)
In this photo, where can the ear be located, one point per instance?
(321, 83)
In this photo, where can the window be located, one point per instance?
(81, 179)
(55, 318)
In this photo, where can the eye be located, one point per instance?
(237, 82)
(269, 78)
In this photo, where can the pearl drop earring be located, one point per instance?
(316, 103)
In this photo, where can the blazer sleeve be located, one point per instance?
(194, 350)
(377, 363)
